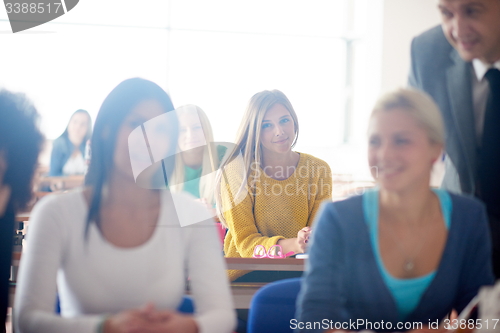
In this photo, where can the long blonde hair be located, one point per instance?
(248, 138)
(210, 161)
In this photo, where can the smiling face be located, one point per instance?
(473, 28)
(400, 153)
(78, 127)
(277, 130)
(143, 112)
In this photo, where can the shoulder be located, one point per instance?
(234, 171)
(221, 151)
(346, 211)
(342, 219)
(464, 205)
(431, 44)
(59, 208)
(59, 144)
(58, 200)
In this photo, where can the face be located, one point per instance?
(473, 28)
(277, 130)
(77, 128)
(191, 133)
(400, 153)
(157, 134)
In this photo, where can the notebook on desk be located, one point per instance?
(301, 256)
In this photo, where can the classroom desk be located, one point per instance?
(60, 182)
(243, 292)
(23, 217)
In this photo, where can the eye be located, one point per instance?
(471, 11)
(284, 120)
(446, 13)
(401, 141)
(266, 125)
(374, 142)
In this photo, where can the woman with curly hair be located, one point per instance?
(20, 144)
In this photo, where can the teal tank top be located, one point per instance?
(406, 292)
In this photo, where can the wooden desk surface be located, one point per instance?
(265, 264)
(242, 292)
(23, 217)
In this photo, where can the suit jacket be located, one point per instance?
(437, 69)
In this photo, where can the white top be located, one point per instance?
(75, 165)
(95, 277)
(480, 91)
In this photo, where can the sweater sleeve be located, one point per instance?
(208, 280)
(323, 193)
(321, 295)
(36, 288)
(477, 267)
(238, 206)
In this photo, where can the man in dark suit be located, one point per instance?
(457, 64)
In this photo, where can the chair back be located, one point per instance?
(273, 306)
(187, 305)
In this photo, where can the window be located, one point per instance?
(323, 54)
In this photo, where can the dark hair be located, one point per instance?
(89, 127)
(115, 108)
(20, 142)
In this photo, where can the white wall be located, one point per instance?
(403, 20)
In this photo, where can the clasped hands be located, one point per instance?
(150, 320)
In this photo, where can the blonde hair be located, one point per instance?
(248, 137)
(210, 161)
(417, 104)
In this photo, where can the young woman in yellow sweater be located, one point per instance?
(267, 194)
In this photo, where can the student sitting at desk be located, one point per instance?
(402, 252)
(68, 150)
(267, 194)
(199, 157)
(116, 252)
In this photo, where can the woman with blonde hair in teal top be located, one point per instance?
(198, 156)
(401, 253)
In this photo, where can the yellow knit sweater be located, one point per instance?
(273, 209)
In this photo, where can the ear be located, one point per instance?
(437, 152)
